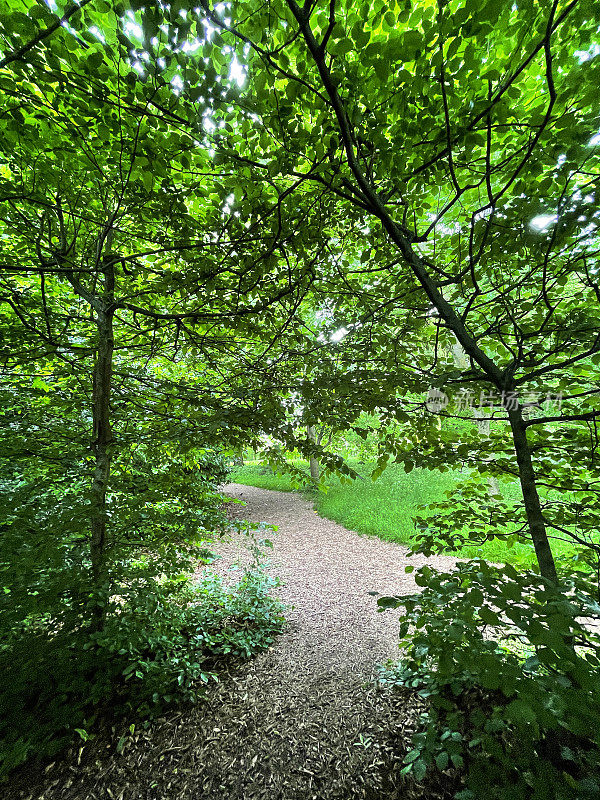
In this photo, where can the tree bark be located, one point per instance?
(313, 462)
(102, 441)
(535, 519)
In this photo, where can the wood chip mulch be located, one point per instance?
(305, 720)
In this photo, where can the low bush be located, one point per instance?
(161, 635)
(163, 641)
(508, 666)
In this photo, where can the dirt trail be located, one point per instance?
(304, 720)
(327, 573)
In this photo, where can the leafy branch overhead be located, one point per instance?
(237, 224)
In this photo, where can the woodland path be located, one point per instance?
(304, 720)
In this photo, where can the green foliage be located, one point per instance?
(486, 506)
(164, 639)
(131, 315)
(171, 635)
(508, 667)
(163, 506)
(163, 635)
(359, 443)
(180, 251)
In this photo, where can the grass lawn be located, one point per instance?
(385, 507)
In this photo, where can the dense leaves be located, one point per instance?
(232, 224)
(165, 638)
(133, 323)
(509, 669)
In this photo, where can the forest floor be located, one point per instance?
(304, 720)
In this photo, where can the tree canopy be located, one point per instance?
(225, 221)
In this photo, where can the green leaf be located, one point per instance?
(519, 711)
(411, 756)
(95, 59)
(419, 769)
(488, 616)
(382, 69)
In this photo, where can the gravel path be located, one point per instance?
(327, 572)
(303, 721)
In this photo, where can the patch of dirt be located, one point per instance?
(303, 721)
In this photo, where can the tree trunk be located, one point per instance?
(314, 462)
(101, 443)
(535, 519)
(483, 420)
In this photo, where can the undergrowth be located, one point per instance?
(508, 670)
(162, 643)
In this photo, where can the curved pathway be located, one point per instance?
(327, 573)
(303, 721)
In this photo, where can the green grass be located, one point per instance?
(385, 507)
(256, 474)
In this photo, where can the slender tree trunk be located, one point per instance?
(102, 441)
(314, 462)
(535, 519)
(483, 421)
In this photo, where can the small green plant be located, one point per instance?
(164, 639)
(169, 641)
(510, 675)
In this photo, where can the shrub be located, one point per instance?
(164, 509)
(510, 675)
(171, 637)
(165, 637)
